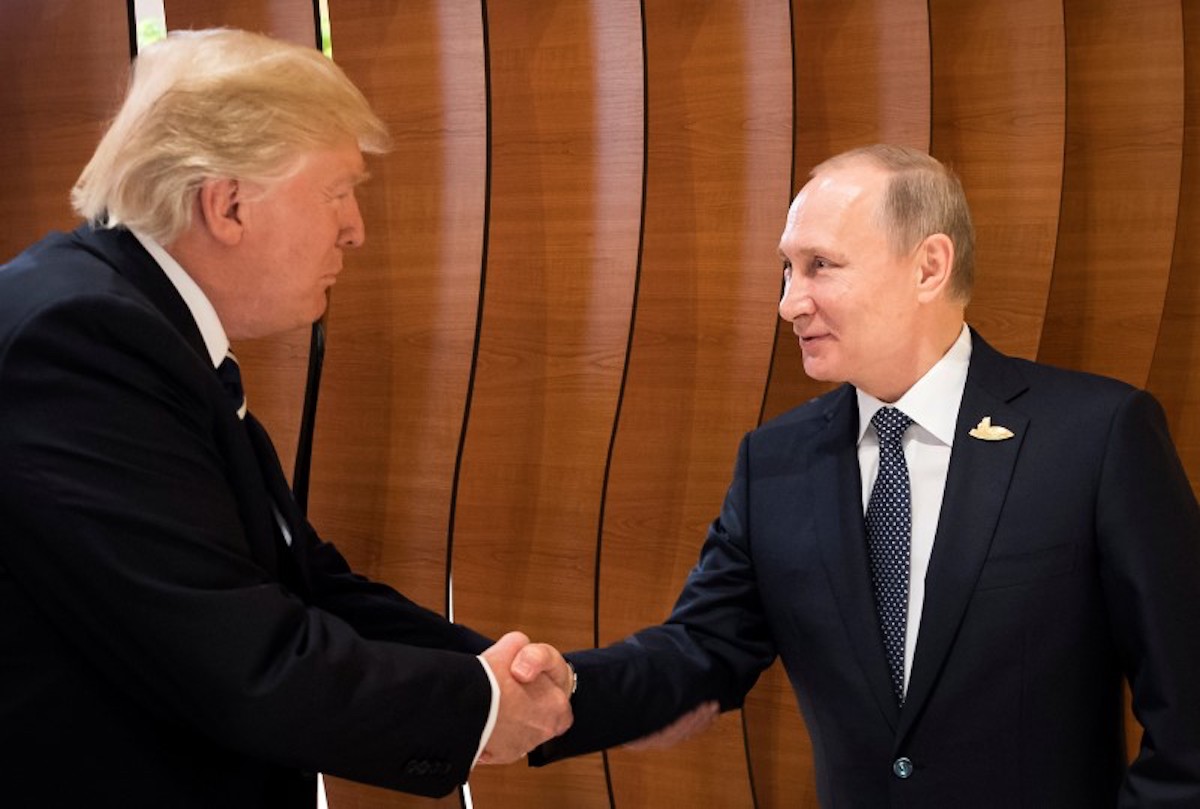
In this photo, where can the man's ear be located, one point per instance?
(935, 262)
(219, 203)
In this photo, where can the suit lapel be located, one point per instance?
(977, 484)
(838, 508)
(124, 253)
(120, 250)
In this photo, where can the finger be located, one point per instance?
(504, 649)
(531, 661)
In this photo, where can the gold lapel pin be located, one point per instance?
(986, 431)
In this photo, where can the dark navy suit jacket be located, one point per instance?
(1066, 558)
(160, 645)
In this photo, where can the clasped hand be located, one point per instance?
(535, 692)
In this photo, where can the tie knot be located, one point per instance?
(890, 424)
(231, 378)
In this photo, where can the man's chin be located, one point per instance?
(819, 371)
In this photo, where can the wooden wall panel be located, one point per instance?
(999, 119)
(1120, 186)
(567, 152)
(274, 368)
(719, 159)
(65, 65)
(402, 326)
(1175, 373)
(861, 75)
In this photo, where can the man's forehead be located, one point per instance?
(833, 192)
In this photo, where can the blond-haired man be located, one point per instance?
(174, 632)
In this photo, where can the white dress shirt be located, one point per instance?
(932, 404)
(217, 343)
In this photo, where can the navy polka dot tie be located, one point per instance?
(231, 377)
(889, 535)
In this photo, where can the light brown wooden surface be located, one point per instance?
(1120, 192)
(403, 320)
(719, 159)
(561, 262)
(65, 66)
(999, 118)
(1175, 371)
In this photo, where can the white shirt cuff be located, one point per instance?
(493, 713)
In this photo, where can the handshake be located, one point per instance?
(536, 684)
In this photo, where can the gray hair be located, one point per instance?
(922, 197)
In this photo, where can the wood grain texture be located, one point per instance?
(1120, 192)
(719, 159)
(291, 20)
(999, 119)
(1173, 374)
(274, 368)
(861, 75)
(563, 231)
(402, 324)
(65, 65)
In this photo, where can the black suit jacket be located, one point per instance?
(1065, 558)
(160, 645)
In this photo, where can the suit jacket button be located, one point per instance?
(902, 767)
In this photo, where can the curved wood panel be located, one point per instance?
(999, 119)
(718, 186)
(402, 324)
(65, 65)
(293, 20)
(275, 368)
(861, 75)
(1173, 376)
(1120, 186)
(563, 230)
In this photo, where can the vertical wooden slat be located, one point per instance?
(861, 73)
(719, 159)
(1120, 186)
(999, 119)
(566, 193)
(1173, 374)
(401, 329)
(275, 367)
(65, 65)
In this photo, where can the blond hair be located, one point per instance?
(216, 103)
(922, 197)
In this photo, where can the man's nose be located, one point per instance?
(353, 231)
(797, 300)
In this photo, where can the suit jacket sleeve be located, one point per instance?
(377, 611)
(127, 536)
(712, 647)
(1148, 526)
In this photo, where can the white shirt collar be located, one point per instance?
(215, 339)
(934, 400)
